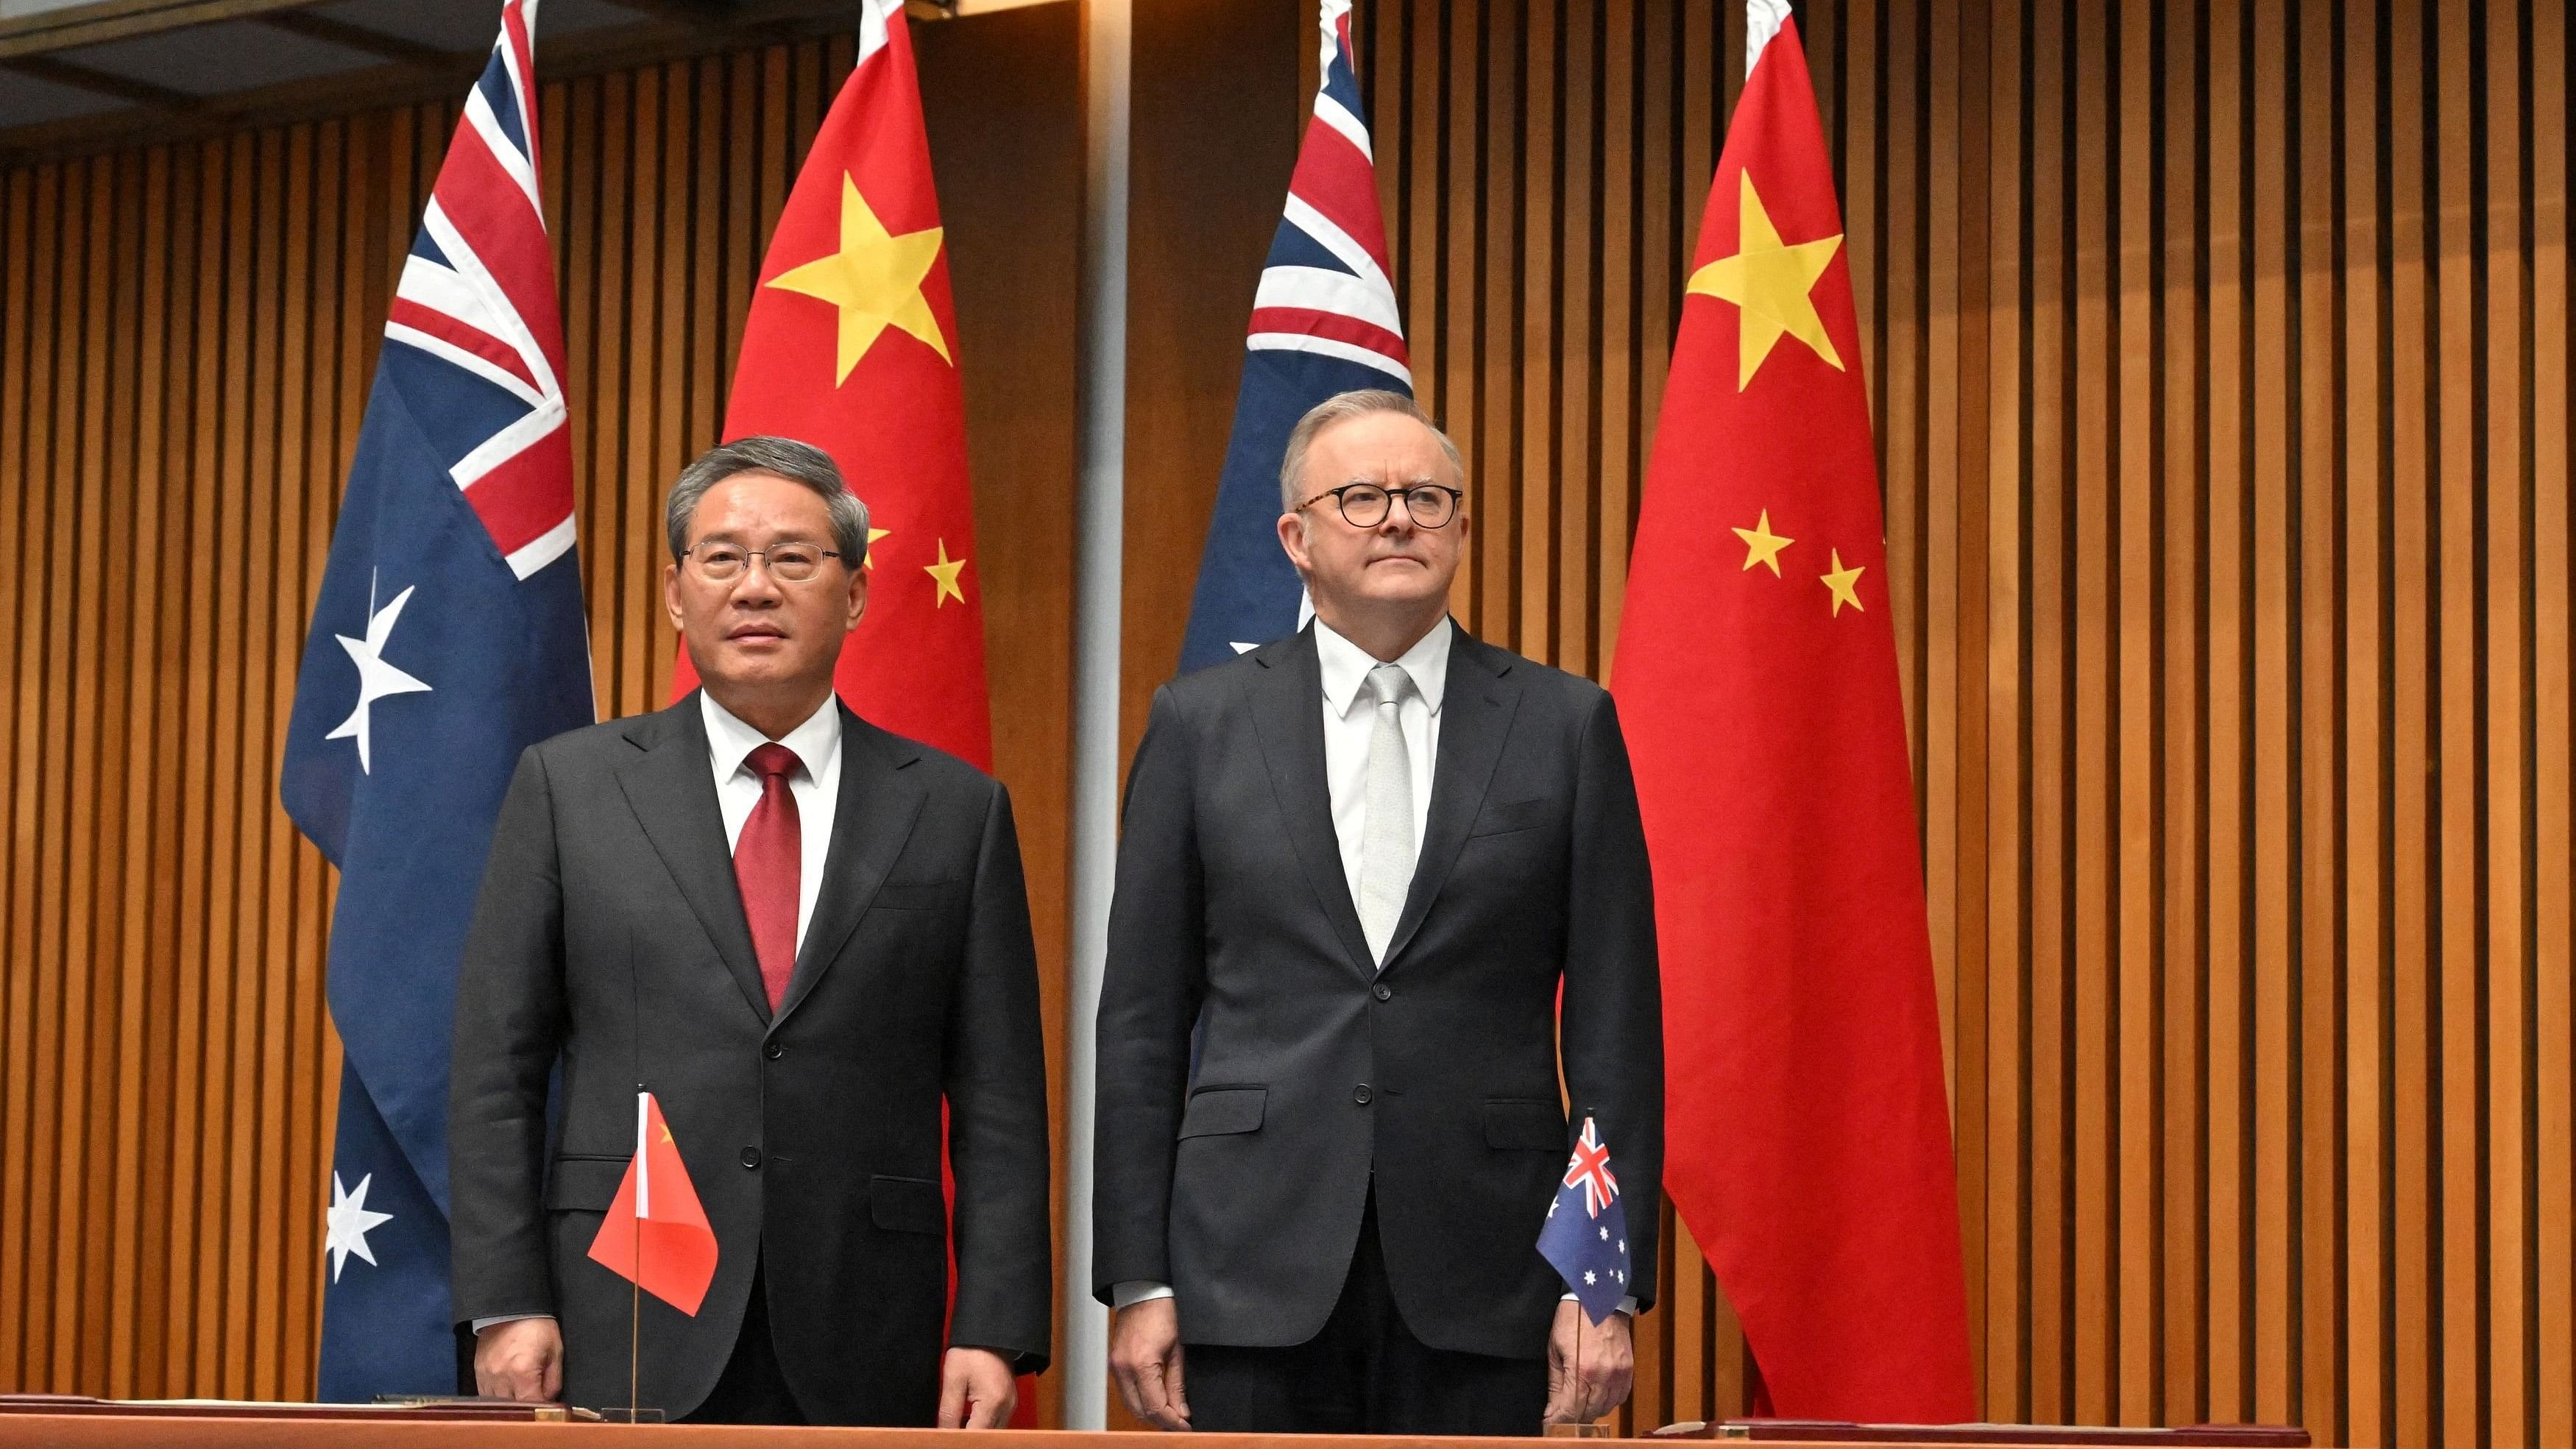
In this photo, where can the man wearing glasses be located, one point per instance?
(1358, 868)
(802, 934)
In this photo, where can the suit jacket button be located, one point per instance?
(1361, 1094)
(751, 1157)
(773, 1051)
(1383, 992)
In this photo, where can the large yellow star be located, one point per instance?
(873, 535)
(1768, 281)
(1761, 545)
(1845, 582)
(944, 573)
(874, 279)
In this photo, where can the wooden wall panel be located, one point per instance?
(1215, 104)
(2219, 359)
(186, 337)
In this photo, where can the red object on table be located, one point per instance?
(656, 1234)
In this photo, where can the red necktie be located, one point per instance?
(767, 860)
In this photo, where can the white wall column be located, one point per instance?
(1082, 1358)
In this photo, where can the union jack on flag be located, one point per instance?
(1590, 1171)
(1324, 289)
(1324, 321)
(447, 637)
(478, 294)
(1589, 1249)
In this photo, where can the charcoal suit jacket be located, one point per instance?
(1258, 1070)
(610, 939)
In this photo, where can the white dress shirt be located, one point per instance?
(815, 785)
(1350, 717)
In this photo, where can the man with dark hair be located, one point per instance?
(802, 934)
(1359, 866)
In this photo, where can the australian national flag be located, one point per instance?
(447, 638)
(1324, 321)
(1586, 1235)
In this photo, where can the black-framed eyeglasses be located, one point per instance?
(789, 563)
(1364, 505)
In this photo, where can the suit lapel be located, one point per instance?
(878, 803)
(672, 790)
(1286, 697)
(1476, 711)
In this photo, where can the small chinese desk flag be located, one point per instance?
(656, 1234)
(1586, 1234)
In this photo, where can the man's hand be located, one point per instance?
(521, 1359)
(976, 1390)
(1607, 1358)
(1145, 1359)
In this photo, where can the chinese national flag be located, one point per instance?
(851, 345)
(1808, 1133)
(656, 1234)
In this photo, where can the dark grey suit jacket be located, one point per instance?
(1240, 1183)
(610, 936)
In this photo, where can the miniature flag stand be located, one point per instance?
(1585, 1239)
(655, 1235)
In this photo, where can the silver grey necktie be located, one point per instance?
(1386, 824)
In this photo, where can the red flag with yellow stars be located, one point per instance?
(1807, 1131)
(656, 1234)
(851, 345)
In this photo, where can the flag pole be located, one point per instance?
(635, 1283)
(1582, 1310)
(635, 1280)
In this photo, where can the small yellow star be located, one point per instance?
(666, 1132)
(874, 279)
(1768, 281)
(1845, 582)
(945, 573)
(873, 535)
(1761, 545)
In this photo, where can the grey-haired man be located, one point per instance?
(1361, 867)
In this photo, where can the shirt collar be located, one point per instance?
(730, 741)
(1346, 666)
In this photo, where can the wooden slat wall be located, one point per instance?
(186, 338)
(2219, 354)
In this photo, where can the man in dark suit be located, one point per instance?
(802, 934)
(1357, 867)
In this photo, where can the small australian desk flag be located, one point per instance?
(1586, 1235)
